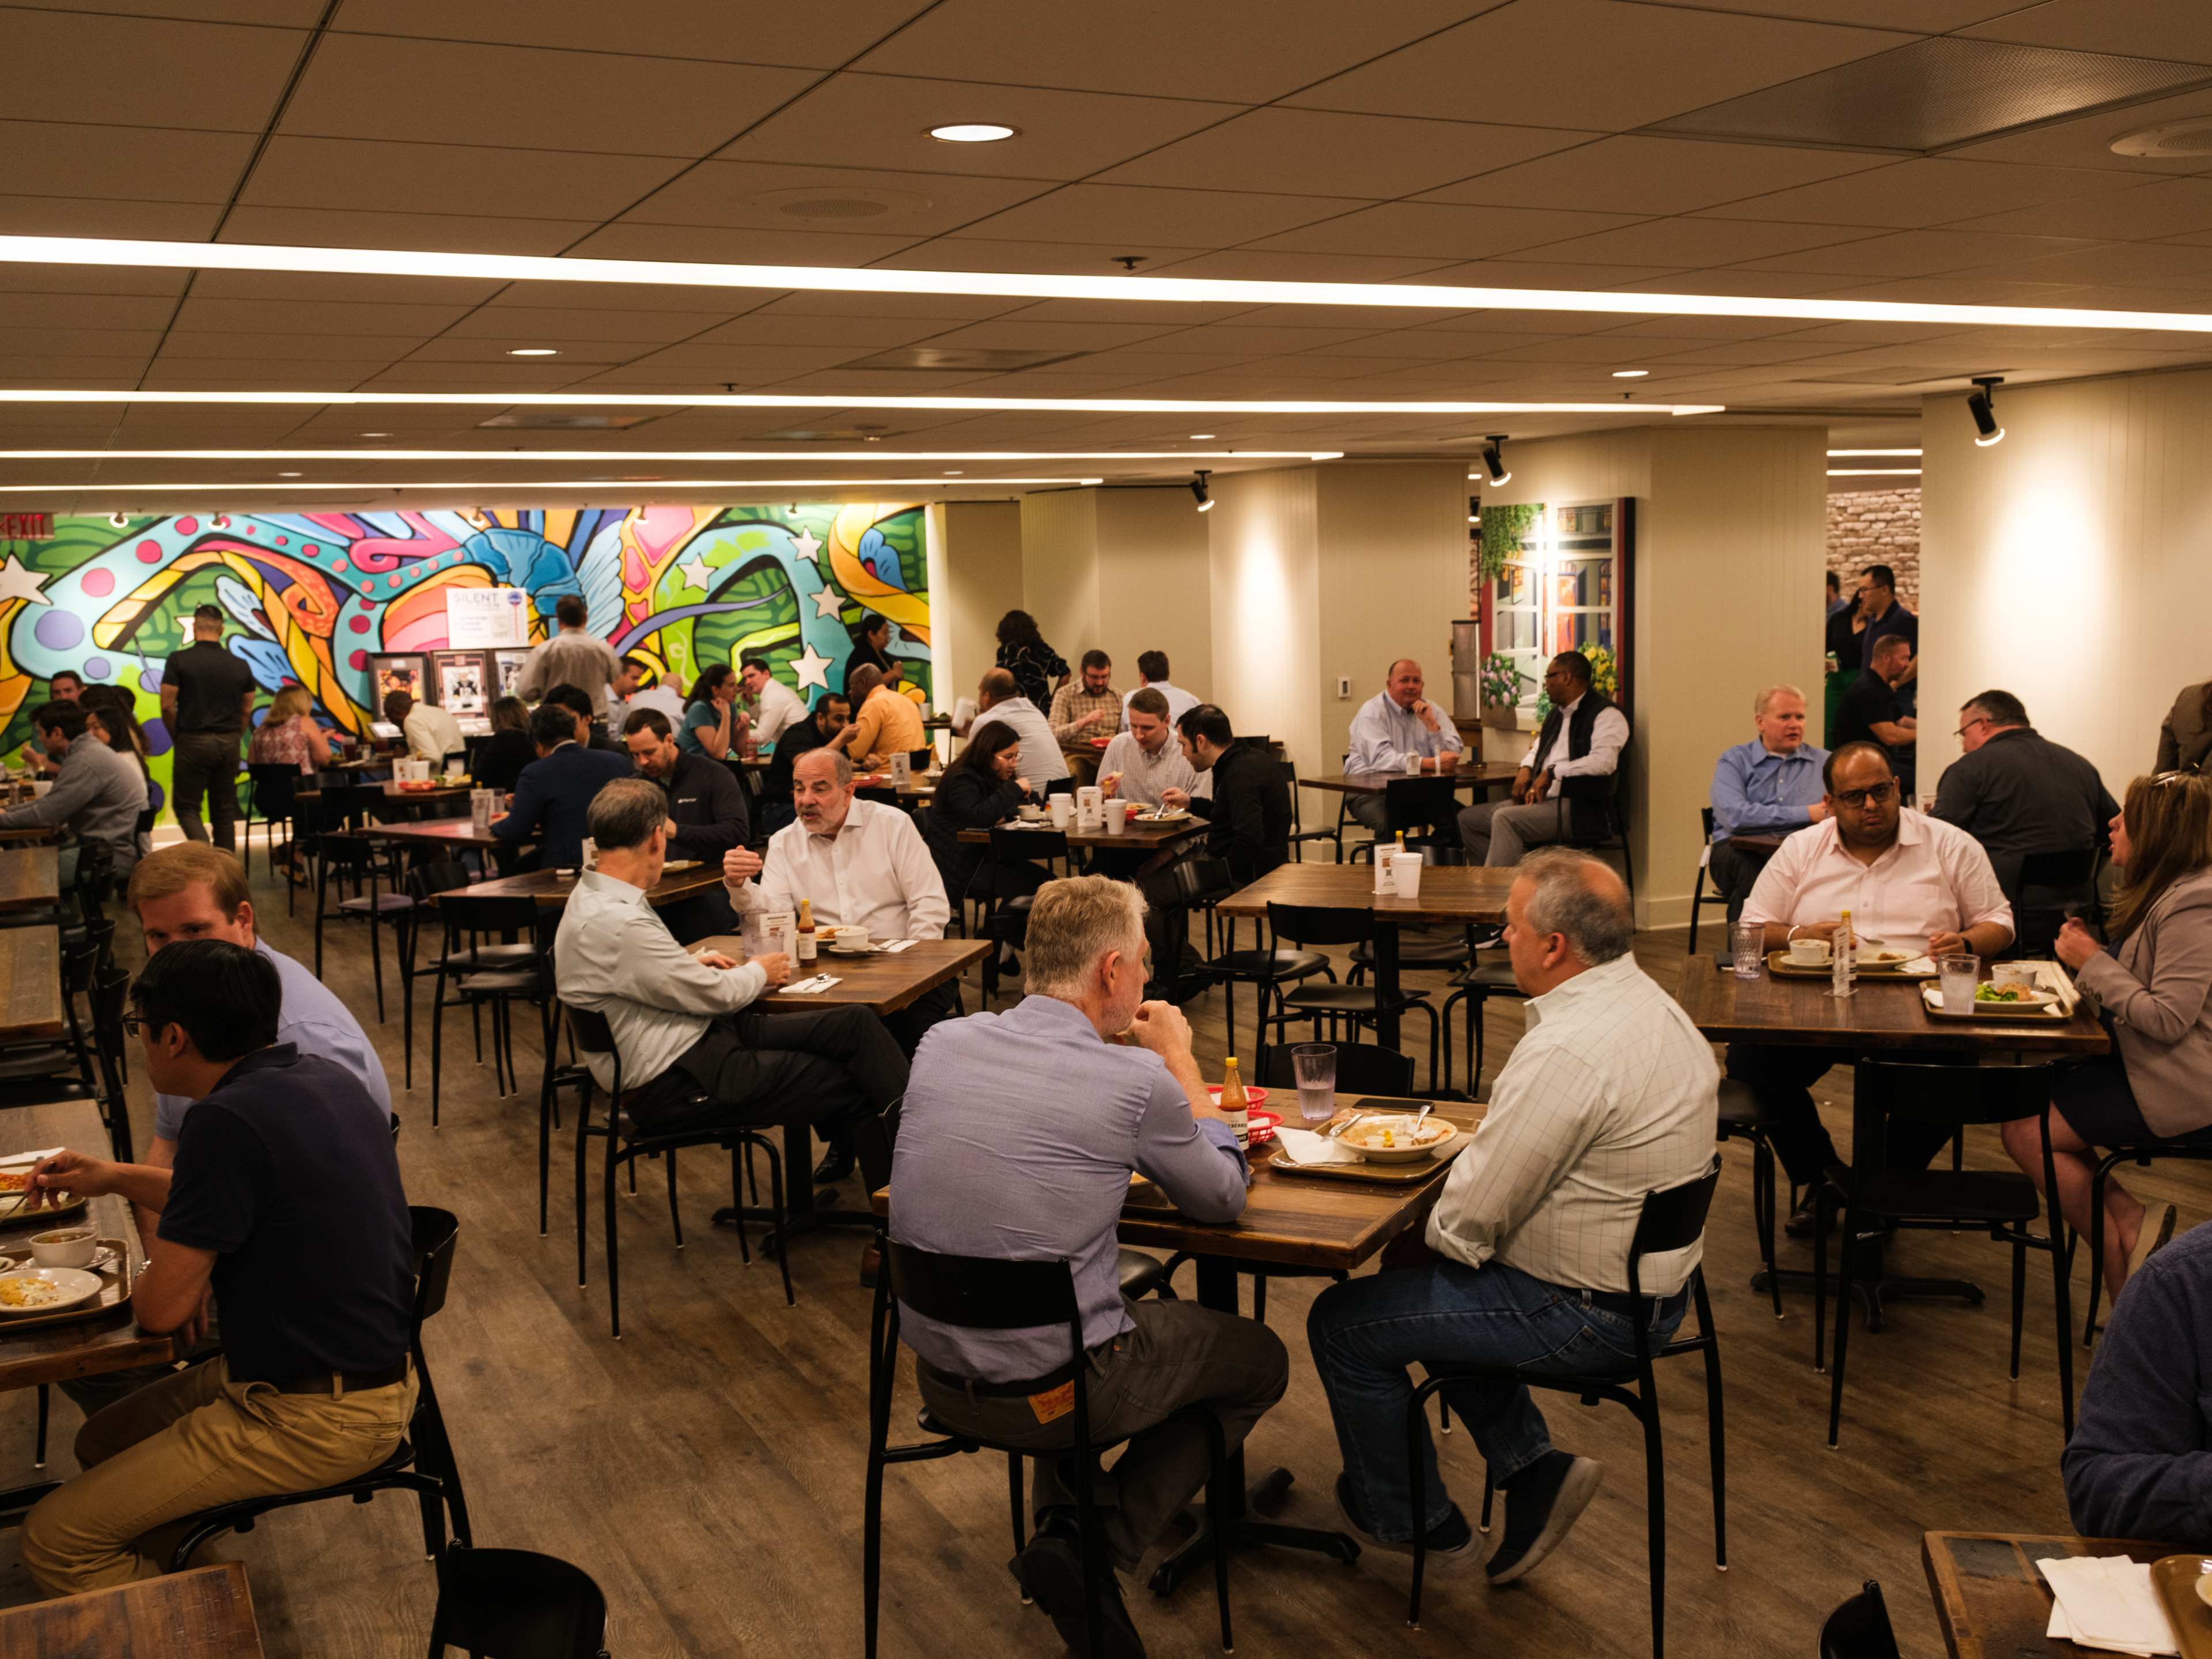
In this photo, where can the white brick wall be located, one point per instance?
(1876, 526)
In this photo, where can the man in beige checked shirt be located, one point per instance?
(1611, 1095)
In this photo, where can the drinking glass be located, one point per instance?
(1748, 940)
(1313, 1064)
(1960, 975)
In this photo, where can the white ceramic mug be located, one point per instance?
(850, 938)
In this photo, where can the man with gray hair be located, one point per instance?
(1764, 789)
(988, 1164)
(1611, 1096)
(694, 1053)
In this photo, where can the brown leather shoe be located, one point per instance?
(872, 1262)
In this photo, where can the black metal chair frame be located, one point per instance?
(517, 1604)
(987, 1293)
(1614, 807)
(593, 1036)
(1698, 897)
(2140, 1154)
(1472, 989)
(1306, 924)
(1747, 1125)
(1424, 810)
(478, 978)
(1005, 917)
(1859, 1628)
(1672, 1219)
(1961, 1096)
(347, 855)
(1299, 833)
(423, 1463)
(262, 777)
(425, 881)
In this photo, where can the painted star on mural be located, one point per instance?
(19, 581)
(828, 602)
(812, 669)
(807, 545)
(694, 570)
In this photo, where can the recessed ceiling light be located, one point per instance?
(972, 132)
(1630, 374)
(533, 351)
(955, 473)
(376, 435)
(287, 475)
(1874, 472)
(1200, 437)
(1873, 452)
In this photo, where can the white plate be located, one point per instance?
(74, 1285)
(2028, 998)
(1162, 816)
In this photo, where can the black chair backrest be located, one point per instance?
(1362, 1068)
(1058, 786)
(1026, 846)
(921, 758)
(1415, 804)
(1674, 1217)
(344, 850)
(1288, 771)
(343, 805)
(1957, 1095)
(981, 1292)
(2063, 870)
(590, 1029)
(508, 917)
(435, 1232)
(442, 877)
(1705, 817)
(274, 784)
(1860, 1628)
(1311, 925)
(516, 1604)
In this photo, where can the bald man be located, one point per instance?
(999, 698)
(1396, 725)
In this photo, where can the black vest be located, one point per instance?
(1583, 822)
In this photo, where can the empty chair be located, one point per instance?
(1859, 1628)
(517, 1604)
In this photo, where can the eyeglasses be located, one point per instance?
(2180, 775)
(1978, 719)
(1878, 795)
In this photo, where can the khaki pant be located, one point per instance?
(187, 1443)
(1496, 833)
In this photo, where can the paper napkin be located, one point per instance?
(1306, 1146)
(2107, 1602)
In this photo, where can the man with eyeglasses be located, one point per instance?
(1564, 779)
(1902, 876)
(2016, 792)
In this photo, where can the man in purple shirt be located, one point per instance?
(1016, 1139)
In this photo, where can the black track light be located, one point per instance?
(1198, 489)
(1978, 404)
(1493, 457)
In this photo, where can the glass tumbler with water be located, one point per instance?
(1958, 976)
(1314, 1064)
(1748, 940)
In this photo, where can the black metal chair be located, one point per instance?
(421, 1463)
(1299, 833)
(2060, 881)
(989, 1294)
(626, 1144)
(1859, 1628)
(423, 883)
(517, 1604)
(1699, 896)
(271, 785)
(1357, 1006)
(1422, 811)
(474, 974)
(1005, 918)
(1480, 979)
(2140, 1154)
(1672, 1220)
(1610, 830)
(2004, 1201)
(1742, 1118)
(348, 859)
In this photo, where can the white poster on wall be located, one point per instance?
(481, 618)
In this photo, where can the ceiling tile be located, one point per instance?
(860, 334)
(149, 72)
(205, 312)
(731, 30)
(2165, 207)
(628, 239)
(1633, 173)
(103, 311)
(1685, 242)
(2147, 28)
(1018, 334)
(72, 215)
(280, 13)
(1631, 64)
(1440, 231)
(59, 158)
(445, 92)
(1920, 253)
(1088, 258)
(1539, 270)
(417, 178)
(271, 346)
(582, 326)
(1926, 191)
(1251, 51)
(1138, 215)
(2085, 140)
(1336, 154)
(442, 233)
(2122, 262)
(319, 288)
(18, 338)
(1238, 264)
(759, 196)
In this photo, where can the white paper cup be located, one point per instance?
(1406, 875)
(1062, 810)
(1117, 816)
(1412, 766)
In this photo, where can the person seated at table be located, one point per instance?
(1871, 711)
(1092, 709)
(695, 1053)
(1145, 761)
(1152, 675)
(111, 716)
(2154, 984)
(713, 725)
(555, 791)
(707, 817)
(2137, 1466)
(499, 762)
(1248, 813)
(1902, 876)
(63, 686)
(431, 733)
(883, 724)
(289, 734)
(998, 699)
(986, 1166)
(830, 716)
(97, 792)
(863, 864)
(766, 701)
(1770, 786)
(1561, 790)
(589, 733)
(625, 697)
(980, 789)
(1613, 1096)
(1398, 722)
(285, 1200)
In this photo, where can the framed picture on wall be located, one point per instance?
(387, 674)
(463, 679)
(1558, 577)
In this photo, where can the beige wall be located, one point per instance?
(1155, 585)
(1264, 554)
(2066, 565)
(974, 578)
(1059, 569)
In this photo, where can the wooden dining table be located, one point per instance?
(30, 984)
(551, 888)
(30, 877)
(1481, 774)
(1137, 837)
(435, 833)
(1991, 1601)
(204, 1612)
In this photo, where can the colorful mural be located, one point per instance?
(312, 596)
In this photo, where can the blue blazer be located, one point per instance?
(551, 798)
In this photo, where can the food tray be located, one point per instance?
(1388, 1175)
(2174, 1579)
(115, 1278)
(1779, 965)
(1931, 998)
(13, 1215)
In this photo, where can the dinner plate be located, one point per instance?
(2028, 998)
(1407, 1153)
(1162, 816)
(69, 1286)
(675, 865)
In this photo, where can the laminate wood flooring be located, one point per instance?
(707, 1468)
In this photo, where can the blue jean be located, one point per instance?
(1366, 1332)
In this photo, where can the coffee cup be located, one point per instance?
(1808, 952)
(71, 1247)
(850, 938)
(1062, 810)
(1030, 812)
(1117, 816)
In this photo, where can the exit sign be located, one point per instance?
(26, 526)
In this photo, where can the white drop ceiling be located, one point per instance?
(1479, 142)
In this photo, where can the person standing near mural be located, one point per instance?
(207, 698)
(574, 656)
(1036, 667)
(872, 641)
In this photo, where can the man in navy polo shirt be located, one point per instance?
(285, 1200)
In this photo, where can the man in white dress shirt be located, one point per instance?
(767, 701)
(1565, 783)
(862, 864)
(1611, 1096)
(1145, 759)
(694, 1055)
(1902, 876)
(1152, 672)
(432, 733)
(1398, 721)
(999, 698)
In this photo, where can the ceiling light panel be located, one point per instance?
(769, 400)
(888, 458)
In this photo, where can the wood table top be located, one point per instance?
(1882, 1014)
(438, 832)
(1137, 837)
(30, 986)
(28, 834)
(1991, 1601)
(551, 888)
(55, 1353)
(206, 1613)
(30, 877)
(1449, 892)
(880, 981)
(1483, 775)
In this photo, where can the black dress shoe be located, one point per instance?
(1799, 1224)
(837, 1164)
(1540, 1507)
(1050, 1571)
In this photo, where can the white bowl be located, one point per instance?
(69, 1247)
(1436, 1134)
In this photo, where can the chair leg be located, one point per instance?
(1416, 1426)
(544, 1151)
(1821, 1210)
(437, 1036)
(1014, 1495)
(1219, 1502)
(675, 1215)
(614, 1266)
(779, 1238)
(1260, 1299)
(1488, 1496)
(376, 947)
(2019, 1301)
(738, 1202)
(583, 1140)
(1762, 1186)
(871, 1536)
(1716, 1427)
(1843, 1321)
(1654, 1485)
(45, 1405)
(2096, 1250)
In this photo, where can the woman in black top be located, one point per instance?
(978, 790)
(872, 640)
(1036, 667)
(502, 760)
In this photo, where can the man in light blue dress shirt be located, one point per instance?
(1768, 786)
(1398, 722)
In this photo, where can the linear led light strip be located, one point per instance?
(537, 267)
(358, 484)
(888, 458)
(1874, 472)
(778, 400)
(1834, 454)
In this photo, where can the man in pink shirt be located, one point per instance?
(1902, 876)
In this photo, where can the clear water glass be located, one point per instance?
(1959, 976)
(1313, 1064)
(1748, 940)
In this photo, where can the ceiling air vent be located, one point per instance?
(970, 360)
(826, 202)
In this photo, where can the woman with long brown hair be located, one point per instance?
(2154, 982)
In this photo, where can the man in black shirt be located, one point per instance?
(832, 712)
(207, 698)
(1871, 712)
(1249, 814)
(707, 810)
(285, 1200)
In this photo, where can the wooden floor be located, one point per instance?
(707, 1468)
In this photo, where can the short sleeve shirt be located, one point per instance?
(211, 683)
(698, 715)
(1868, 699)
